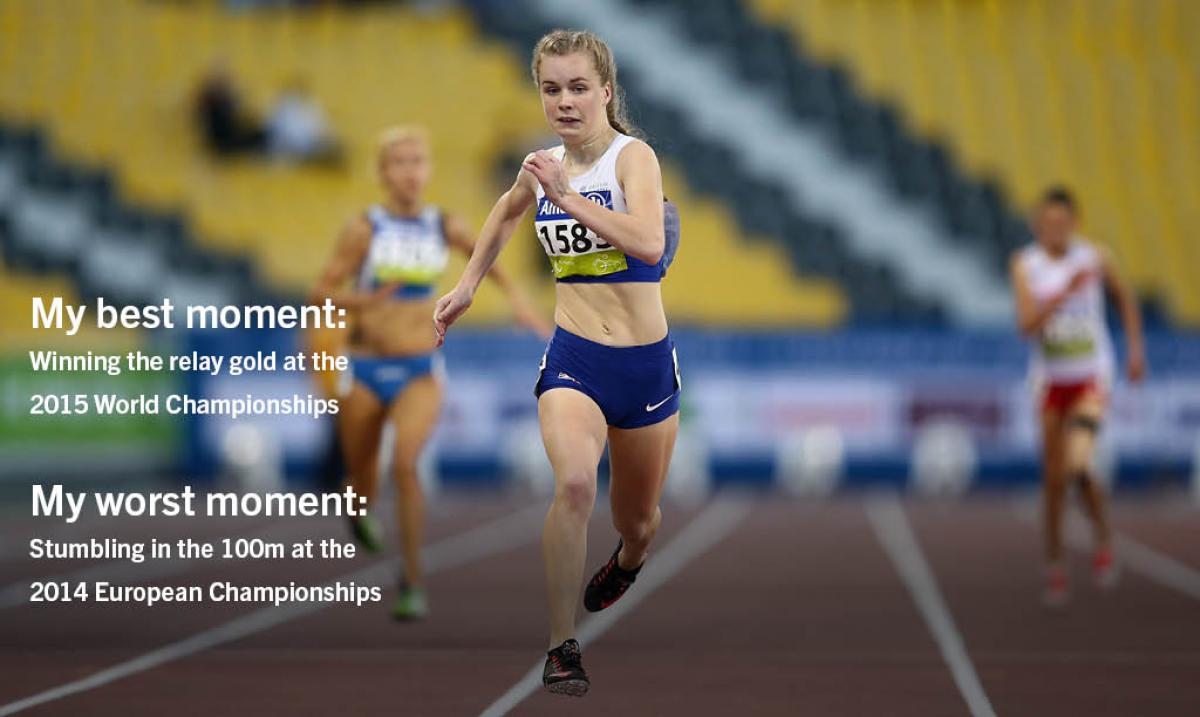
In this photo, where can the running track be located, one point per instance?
(750, 606)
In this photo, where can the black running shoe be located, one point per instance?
(366, 532)
(609, 583)
(564, 674)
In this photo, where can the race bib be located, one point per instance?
(574, 249)
(410, 260)
(1068, 336)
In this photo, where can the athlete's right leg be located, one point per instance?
(1054, 492)
(414, 414)
(360, 425)
(574, 432)
(1081, 429)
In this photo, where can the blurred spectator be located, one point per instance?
(227, 128)
(297, 129)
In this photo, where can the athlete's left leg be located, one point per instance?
(1081, 428)
(414, 415)
(639, 459)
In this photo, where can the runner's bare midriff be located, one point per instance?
(620, 314)
(394, 328)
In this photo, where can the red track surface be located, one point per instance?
(798, 610)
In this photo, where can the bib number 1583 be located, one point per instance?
(570, 238)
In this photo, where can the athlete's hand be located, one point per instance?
(1079, 279)
(448, 309)
(550, 173)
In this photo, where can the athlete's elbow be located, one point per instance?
(650, 257)
(651, 251)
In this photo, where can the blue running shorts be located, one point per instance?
(634, 386)
(387, 376)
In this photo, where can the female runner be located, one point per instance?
(1060, 305)
(395, 252)
(609, 372)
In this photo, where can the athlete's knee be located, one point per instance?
(576, 491)
(1054, 476)
(1079, 457)
(1088, 423)
(1054, 487)
(1078, 470)
(404, 463)
(406, 478)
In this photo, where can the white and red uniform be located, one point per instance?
(1073, 353)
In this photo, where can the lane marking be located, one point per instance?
(503, 534)
(1157, 566)
(705, 531)
(895, 535)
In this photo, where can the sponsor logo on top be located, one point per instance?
(548, 210)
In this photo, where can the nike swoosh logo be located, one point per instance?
(559, 674)
(650, 408)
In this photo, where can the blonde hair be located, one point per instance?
(401, 133)
(567, 42)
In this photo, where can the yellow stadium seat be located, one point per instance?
(1099, 94)
(114, 81)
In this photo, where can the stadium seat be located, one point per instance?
(1033, 92)
(370, 67)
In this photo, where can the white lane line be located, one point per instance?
(707, 529)
(127, 571)
(1157, 566)
(896, 536)
(1131, 554)
(498, 536)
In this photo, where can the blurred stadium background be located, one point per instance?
(851, 177)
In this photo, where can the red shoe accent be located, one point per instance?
(1104, 568)
(1057, 591)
